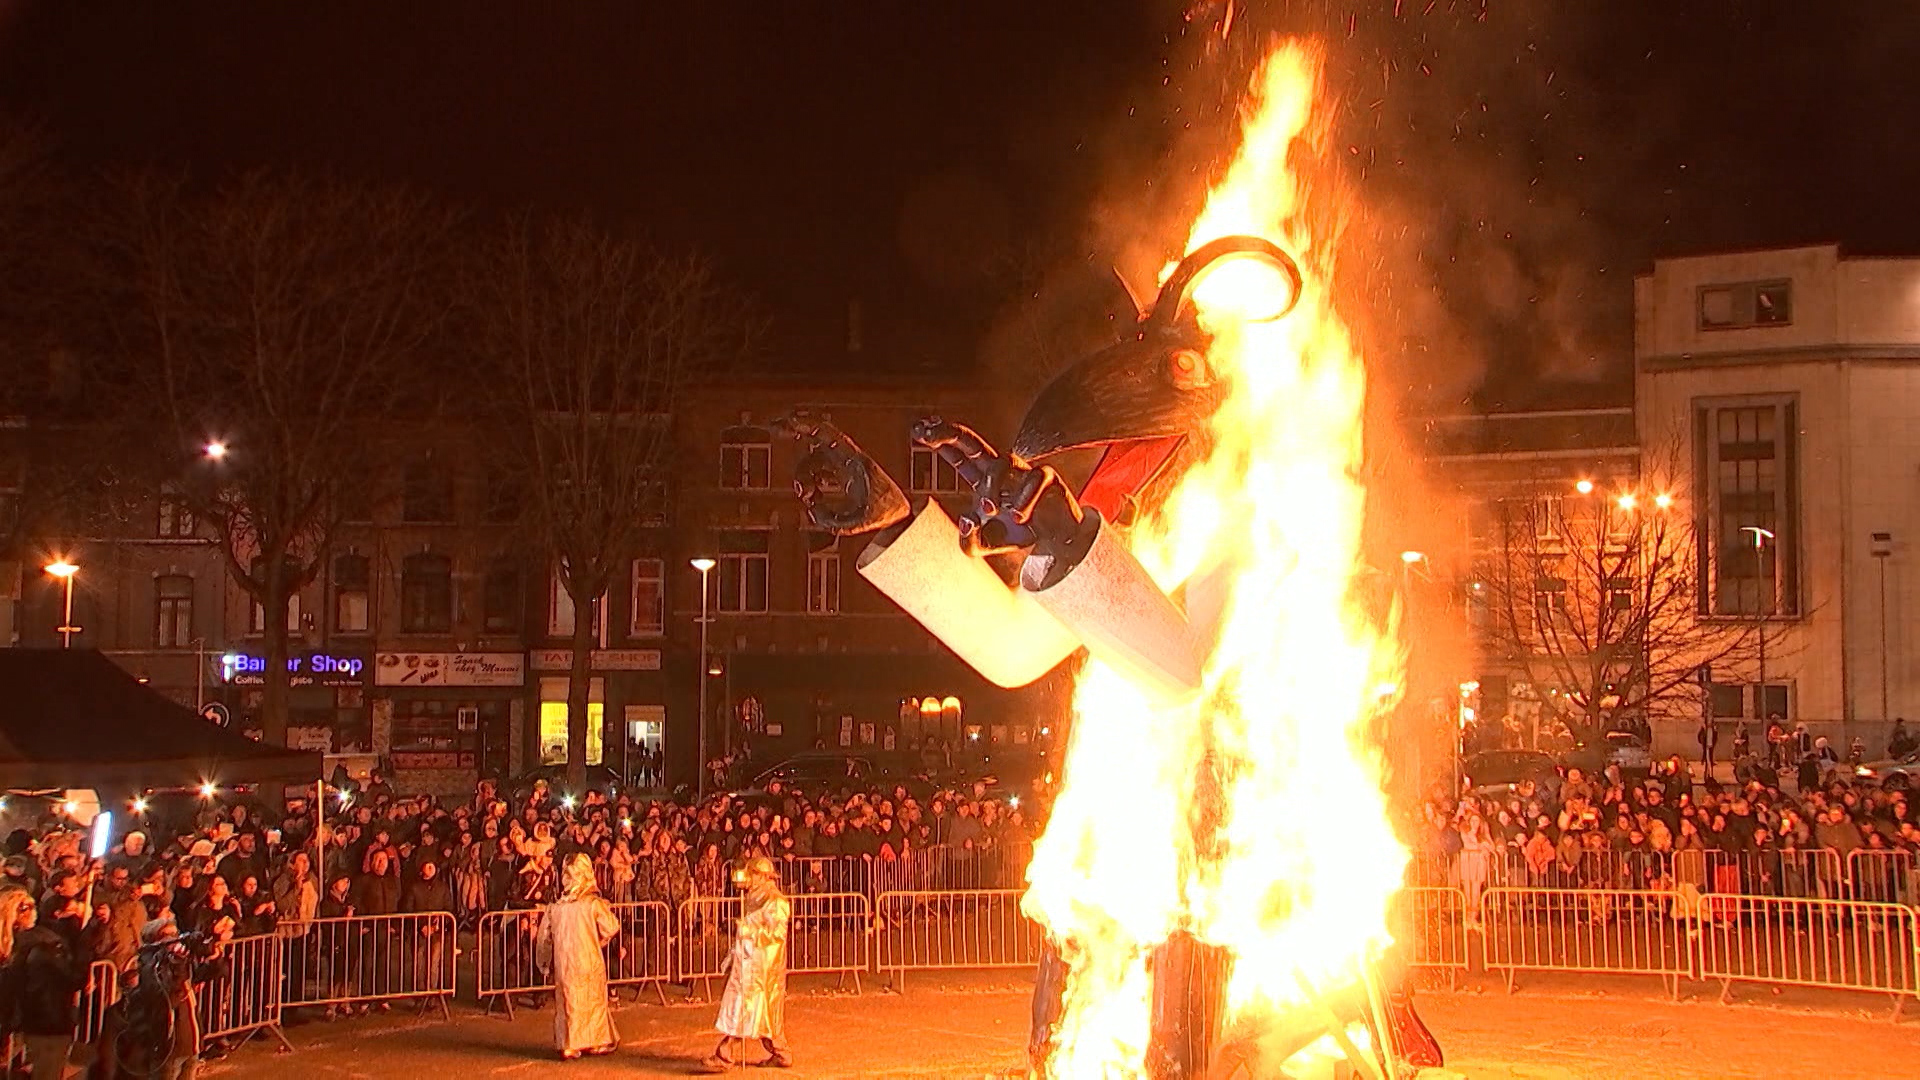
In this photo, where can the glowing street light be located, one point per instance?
(215, 450)
(65, 570)
(1584, 487)
(1411, 557)
(1627, 501)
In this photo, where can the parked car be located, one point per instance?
(1894, 774)
(1498, 772)
(819, 770)
(1622, 748)
(600, 778)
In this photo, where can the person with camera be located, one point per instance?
(154, 1033)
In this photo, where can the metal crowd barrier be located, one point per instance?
(246, 998)
(370, 958)
(102, 991)
(1833, 944)
(1815, 873)
(928, 930)
(507, 963)
(829, 933)
(1888, 877)
(1430, 926)
(1618, 931)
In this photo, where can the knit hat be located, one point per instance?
(159, 929)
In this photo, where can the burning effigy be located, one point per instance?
(1203, 916)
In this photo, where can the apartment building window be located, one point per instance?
(649, 607)
(746, 458)
(742, 571)
(352, 594)
(502, 498)
(426, 594)
(560, 612)
(501, 599)
(1620, 593)
(1740, 305)
(1546, 515)
(928, 474)
(823, 574)
(257, 614)
(176, 518)
(426, 494)
(1549, 604)
(172, 611)
(1746, 481)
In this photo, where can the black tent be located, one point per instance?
(73, 718)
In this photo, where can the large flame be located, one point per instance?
(1253, 819)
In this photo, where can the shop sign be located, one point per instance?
(406, 759)
(311, 669)
(601, 660)
(449, 669)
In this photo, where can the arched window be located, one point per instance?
(426, 594)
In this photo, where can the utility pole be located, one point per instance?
(1760, 538)
(1882, 551)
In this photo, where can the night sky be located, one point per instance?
(970, 168)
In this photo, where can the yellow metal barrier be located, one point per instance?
(1833, 944)
(1620, 931)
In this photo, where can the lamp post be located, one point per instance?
(1760, 538)
(705, 566)
(65, 570)
(1882, 551)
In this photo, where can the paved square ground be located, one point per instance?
(975, 1027)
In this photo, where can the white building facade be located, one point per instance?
(1789, 380)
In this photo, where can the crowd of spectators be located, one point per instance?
(1670, 829)
(230, 872)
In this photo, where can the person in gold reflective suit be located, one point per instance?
(754, 1005)
(571, 945)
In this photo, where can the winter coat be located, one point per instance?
(42, 981)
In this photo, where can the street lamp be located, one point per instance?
(1583, 486)
(1882, 551)
(1760, 538)
(65, 570)
(215, 450)
(705, 566)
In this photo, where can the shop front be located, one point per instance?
(444, 719)
(326, 697)
(626, 709)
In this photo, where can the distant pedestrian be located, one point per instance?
(1708, 737)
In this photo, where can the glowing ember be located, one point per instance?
(1213, 819)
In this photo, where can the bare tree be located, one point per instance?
(1597, 595)
(592, 338)
(274, 323)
